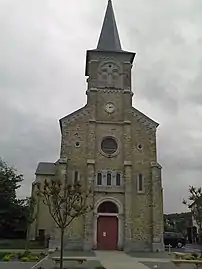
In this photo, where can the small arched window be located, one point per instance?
(76, 177)
(99, 179)
(109, 179)
(140, 183)
(118, 179)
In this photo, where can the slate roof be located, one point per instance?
(109, 38)
(45, 168)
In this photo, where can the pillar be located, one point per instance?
(88, 226)
(128, 185)
(128, 206)
(157, 209)
(90, 176)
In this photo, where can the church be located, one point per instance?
(110, 146)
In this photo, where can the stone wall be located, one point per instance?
(82, 133)
(43, 219)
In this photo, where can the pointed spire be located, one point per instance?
(109, 37)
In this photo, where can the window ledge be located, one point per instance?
(112, 189)
(141, 192)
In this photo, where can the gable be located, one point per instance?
(144, 120)
(74, 116)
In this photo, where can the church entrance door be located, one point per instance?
(107, 232)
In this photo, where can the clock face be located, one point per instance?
(110, 108)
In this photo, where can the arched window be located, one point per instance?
(118, 179)
(107, 207)
(99, 179)
(109, 179)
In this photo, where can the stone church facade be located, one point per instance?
(108, 146)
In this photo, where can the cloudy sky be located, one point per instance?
(42, 60)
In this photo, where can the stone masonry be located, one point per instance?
(109, 114)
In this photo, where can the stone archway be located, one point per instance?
(108, 224)
(108, 207)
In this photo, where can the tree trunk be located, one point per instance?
(27, 239)
(61, 248)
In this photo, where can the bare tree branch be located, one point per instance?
(65, 203)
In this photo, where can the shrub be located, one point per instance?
(20, 255)
(24, 259)
(7, 258)
(33, 258)
(3, 254)
(13, 256)
(42, 255)
(100, 267)
(26, 253)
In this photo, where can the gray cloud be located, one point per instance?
(42, 52)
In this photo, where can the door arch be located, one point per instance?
(108, 225)
(107, 207)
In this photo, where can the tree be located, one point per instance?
(9, 205)
(168, 225)
(29, 207)
(194, 203)
(177, 222)
(65, 202)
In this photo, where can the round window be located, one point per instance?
(109, 145)
(139, 146)
(77, 144)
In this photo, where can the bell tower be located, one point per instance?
(108, 67)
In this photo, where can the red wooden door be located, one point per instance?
(107, 233)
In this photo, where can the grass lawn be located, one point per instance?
(18, 244)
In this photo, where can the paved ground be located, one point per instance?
(118, 260)
(76, 253)
(109, 259)
(165, 265)
(91, 264)
(150, 255)
(16, 265)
